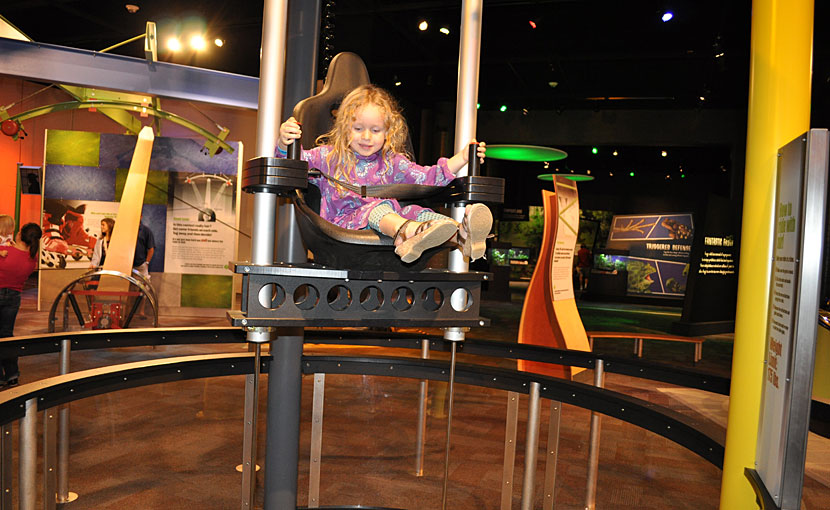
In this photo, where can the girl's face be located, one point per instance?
(368, 132)
(104, 227)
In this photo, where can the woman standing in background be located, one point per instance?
(20, 261)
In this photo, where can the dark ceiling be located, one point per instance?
(593, 50)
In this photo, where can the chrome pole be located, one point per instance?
(531, 446)
(62, 475)
(593, 446)
(420, 433)
(28, 457)
(449, 428)
(249, 437)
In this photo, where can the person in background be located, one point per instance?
(20, 261)
(145, 247)
(99, 253)
(583, 265)
(6, 232)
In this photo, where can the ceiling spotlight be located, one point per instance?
(444, 30)
(594, 150)
(197, 42)
(532, 24)
(219, 42)
(553, 84)
(667, 16)
(546, 165)
(719, 55)
(423, 25)
(503, 108)
(524, 111)
(615, 153)
(631, 174)
(131, 8)
(174, 44)
(702, 98)
(664, 153)
(398, 83)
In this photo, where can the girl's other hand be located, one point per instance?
(480, 151)
(290, 130)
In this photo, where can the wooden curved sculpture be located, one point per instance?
(549, 315)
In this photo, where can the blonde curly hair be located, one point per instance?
(341, 157)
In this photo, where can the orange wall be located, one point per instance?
(29, 151)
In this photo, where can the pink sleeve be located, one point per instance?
(412, 173)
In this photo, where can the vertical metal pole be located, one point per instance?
(510, 426)
(50, 419)
(271, 86)
(531, 446)
(28, 457)
(316, 457)
(465, 118)
(249, 437)
(449, 428)
(593, 447)
(420, 433)
(283, 428)
(62, 471)
(6, 478)
(469, 51)
(552, 455)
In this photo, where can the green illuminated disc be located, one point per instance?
(573, 177)
(525, 153)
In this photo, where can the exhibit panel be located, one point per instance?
(190, 206)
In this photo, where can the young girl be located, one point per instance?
(6, 233)
(99, 253)
(366, 146)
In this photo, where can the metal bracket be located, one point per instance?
(298, 295)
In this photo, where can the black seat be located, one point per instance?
(338, 247)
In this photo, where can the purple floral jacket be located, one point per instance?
(349, 210)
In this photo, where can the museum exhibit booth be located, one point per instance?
(354, 382)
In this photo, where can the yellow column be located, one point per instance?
(779, 110)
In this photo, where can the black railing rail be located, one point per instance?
(62, 389)
(100, 339)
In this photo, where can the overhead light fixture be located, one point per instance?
(423, 25)
(667, 16)
(664, 153)
(553, 84)
(615, 153)
(131, 8)
(174, 44)
(503, 108)
(594, 150)
(444, 30)
(219, 42)
(532, 24)
(197, 42)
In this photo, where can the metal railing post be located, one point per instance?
(593, 446)
(420, 433)
(531, 446)
(28, 457)
(6, 478)
(552, 455)
(61, 472)
(510, 426)
(249, 430)
(316, 456)
(50, 491)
